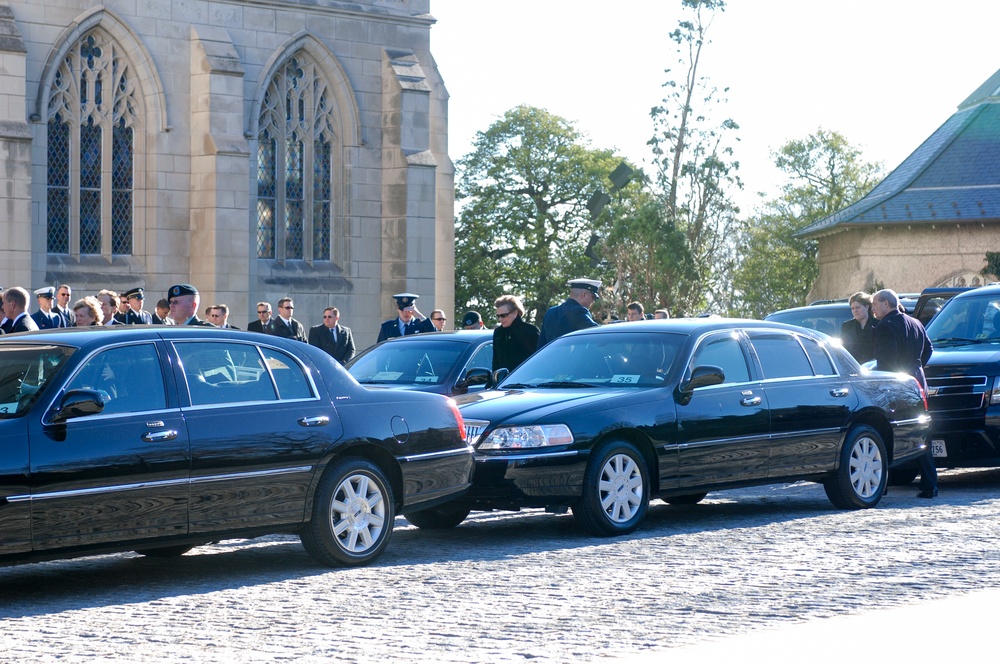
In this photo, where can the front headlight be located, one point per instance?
(518, 438)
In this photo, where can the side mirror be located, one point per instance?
(78, 403)
(701, 377)
(472, 378)
(500, 375)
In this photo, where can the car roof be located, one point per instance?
(689, 326)
(467, 336)
(84, 336)
(991, 289)
(813, 308)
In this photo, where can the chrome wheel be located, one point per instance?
(621, 488)
(357, 514)
(866, 467)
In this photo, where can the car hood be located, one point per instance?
(951, 358)
(535, 404)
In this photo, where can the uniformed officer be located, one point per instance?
(184, 300)
(573, 314)
(136, 315)
(409, 320)
(45, 318)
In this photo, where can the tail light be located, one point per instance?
(923, 393)
(461, 422)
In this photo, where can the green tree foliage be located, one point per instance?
(696, 172)
(524, 226)
(825, 173)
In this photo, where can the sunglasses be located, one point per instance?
(502, 316)
(439, 319)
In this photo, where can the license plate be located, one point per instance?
(938, 448)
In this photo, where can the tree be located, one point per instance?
(777, 269)
(696, 171)
(524, 226)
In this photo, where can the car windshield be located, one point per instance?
(626, 359)
(824, 319)
(417, 362)
(25, 372)
(973, 319)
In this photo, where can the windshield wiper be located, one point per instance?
(962, 340)
(517, 386)
(563, 383)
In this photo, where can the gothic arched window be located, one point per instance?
(295, 152)
(92, 121)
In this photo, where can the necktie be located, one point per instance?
(333, 330)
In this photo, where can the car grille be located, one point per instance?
(956, 392)
(474, 429)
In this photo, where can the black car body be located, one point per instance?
(963, 380)
(157, 439)
(602, 420)
(441, 362)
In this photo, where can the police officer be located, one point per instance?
(184, 300)
(573, 314)
(45, 318)
(409, 320)
(135, 314)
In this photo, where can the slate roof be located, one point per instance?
(953, 177)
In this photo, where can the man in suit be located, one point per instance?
(902, 346)
(264, 316)
(109, 301)
(283, 325)
(162, 315)
(184, 300)
(15, 305)
(136, 315)
(63, 295)
(45, 318)
(573, 314)
(408, 321)
(219, 315)
(332, 337)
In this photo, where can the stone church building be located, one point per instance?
(931, 221)
(254, 149)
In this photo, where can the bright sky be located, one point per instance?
(884, 73)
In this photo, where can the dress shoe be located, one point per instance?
(927, 493)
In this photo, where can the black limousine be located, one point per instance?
(602, 420)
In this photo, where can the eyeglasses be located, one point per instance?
(501, 316)
(327, 316)
(215, 315)
(261, 312)
(439, 319)
(289, 308)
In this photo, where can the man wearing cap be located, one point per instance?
(45, 318)
(135, 314)
(573, 314)
(283, 325)
(184, 300)
(472, 321)
(409, 320)
(63, 295)
(15, 305)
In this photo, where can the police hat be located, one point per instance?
(471, 318)
(592, 285)
(404, 300)
(181, 289)
(49, 292)
(135, 292)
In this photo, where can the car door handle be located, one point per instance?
(320, 421)
(840, 392)
(159, 436)
(750, 401)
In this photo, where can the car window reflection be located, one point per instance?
(129, 377)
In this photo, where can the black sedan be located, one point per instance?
(603, 420)
(157, 439)
(441, 362)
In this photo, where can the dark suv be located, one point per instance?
(963, 378)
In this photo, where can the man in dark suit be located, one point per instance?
(283, 325)
(45, 318)
(15, 305)
(63, 295)
(902, 346)
(409, 320)
(184, 300)
(573, 314)
(219, 315)
(136, 315)
(332, 337)
(264, 316)
(109, 301)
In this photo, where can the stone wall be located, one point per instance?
(202, 69)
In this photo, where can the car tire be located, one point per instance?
(165, 551)
(438, 518)
(860, 481)
(615, 490)
(687, 499)
(353, 514)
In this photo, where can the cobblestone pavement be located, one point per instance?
(517, 587)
